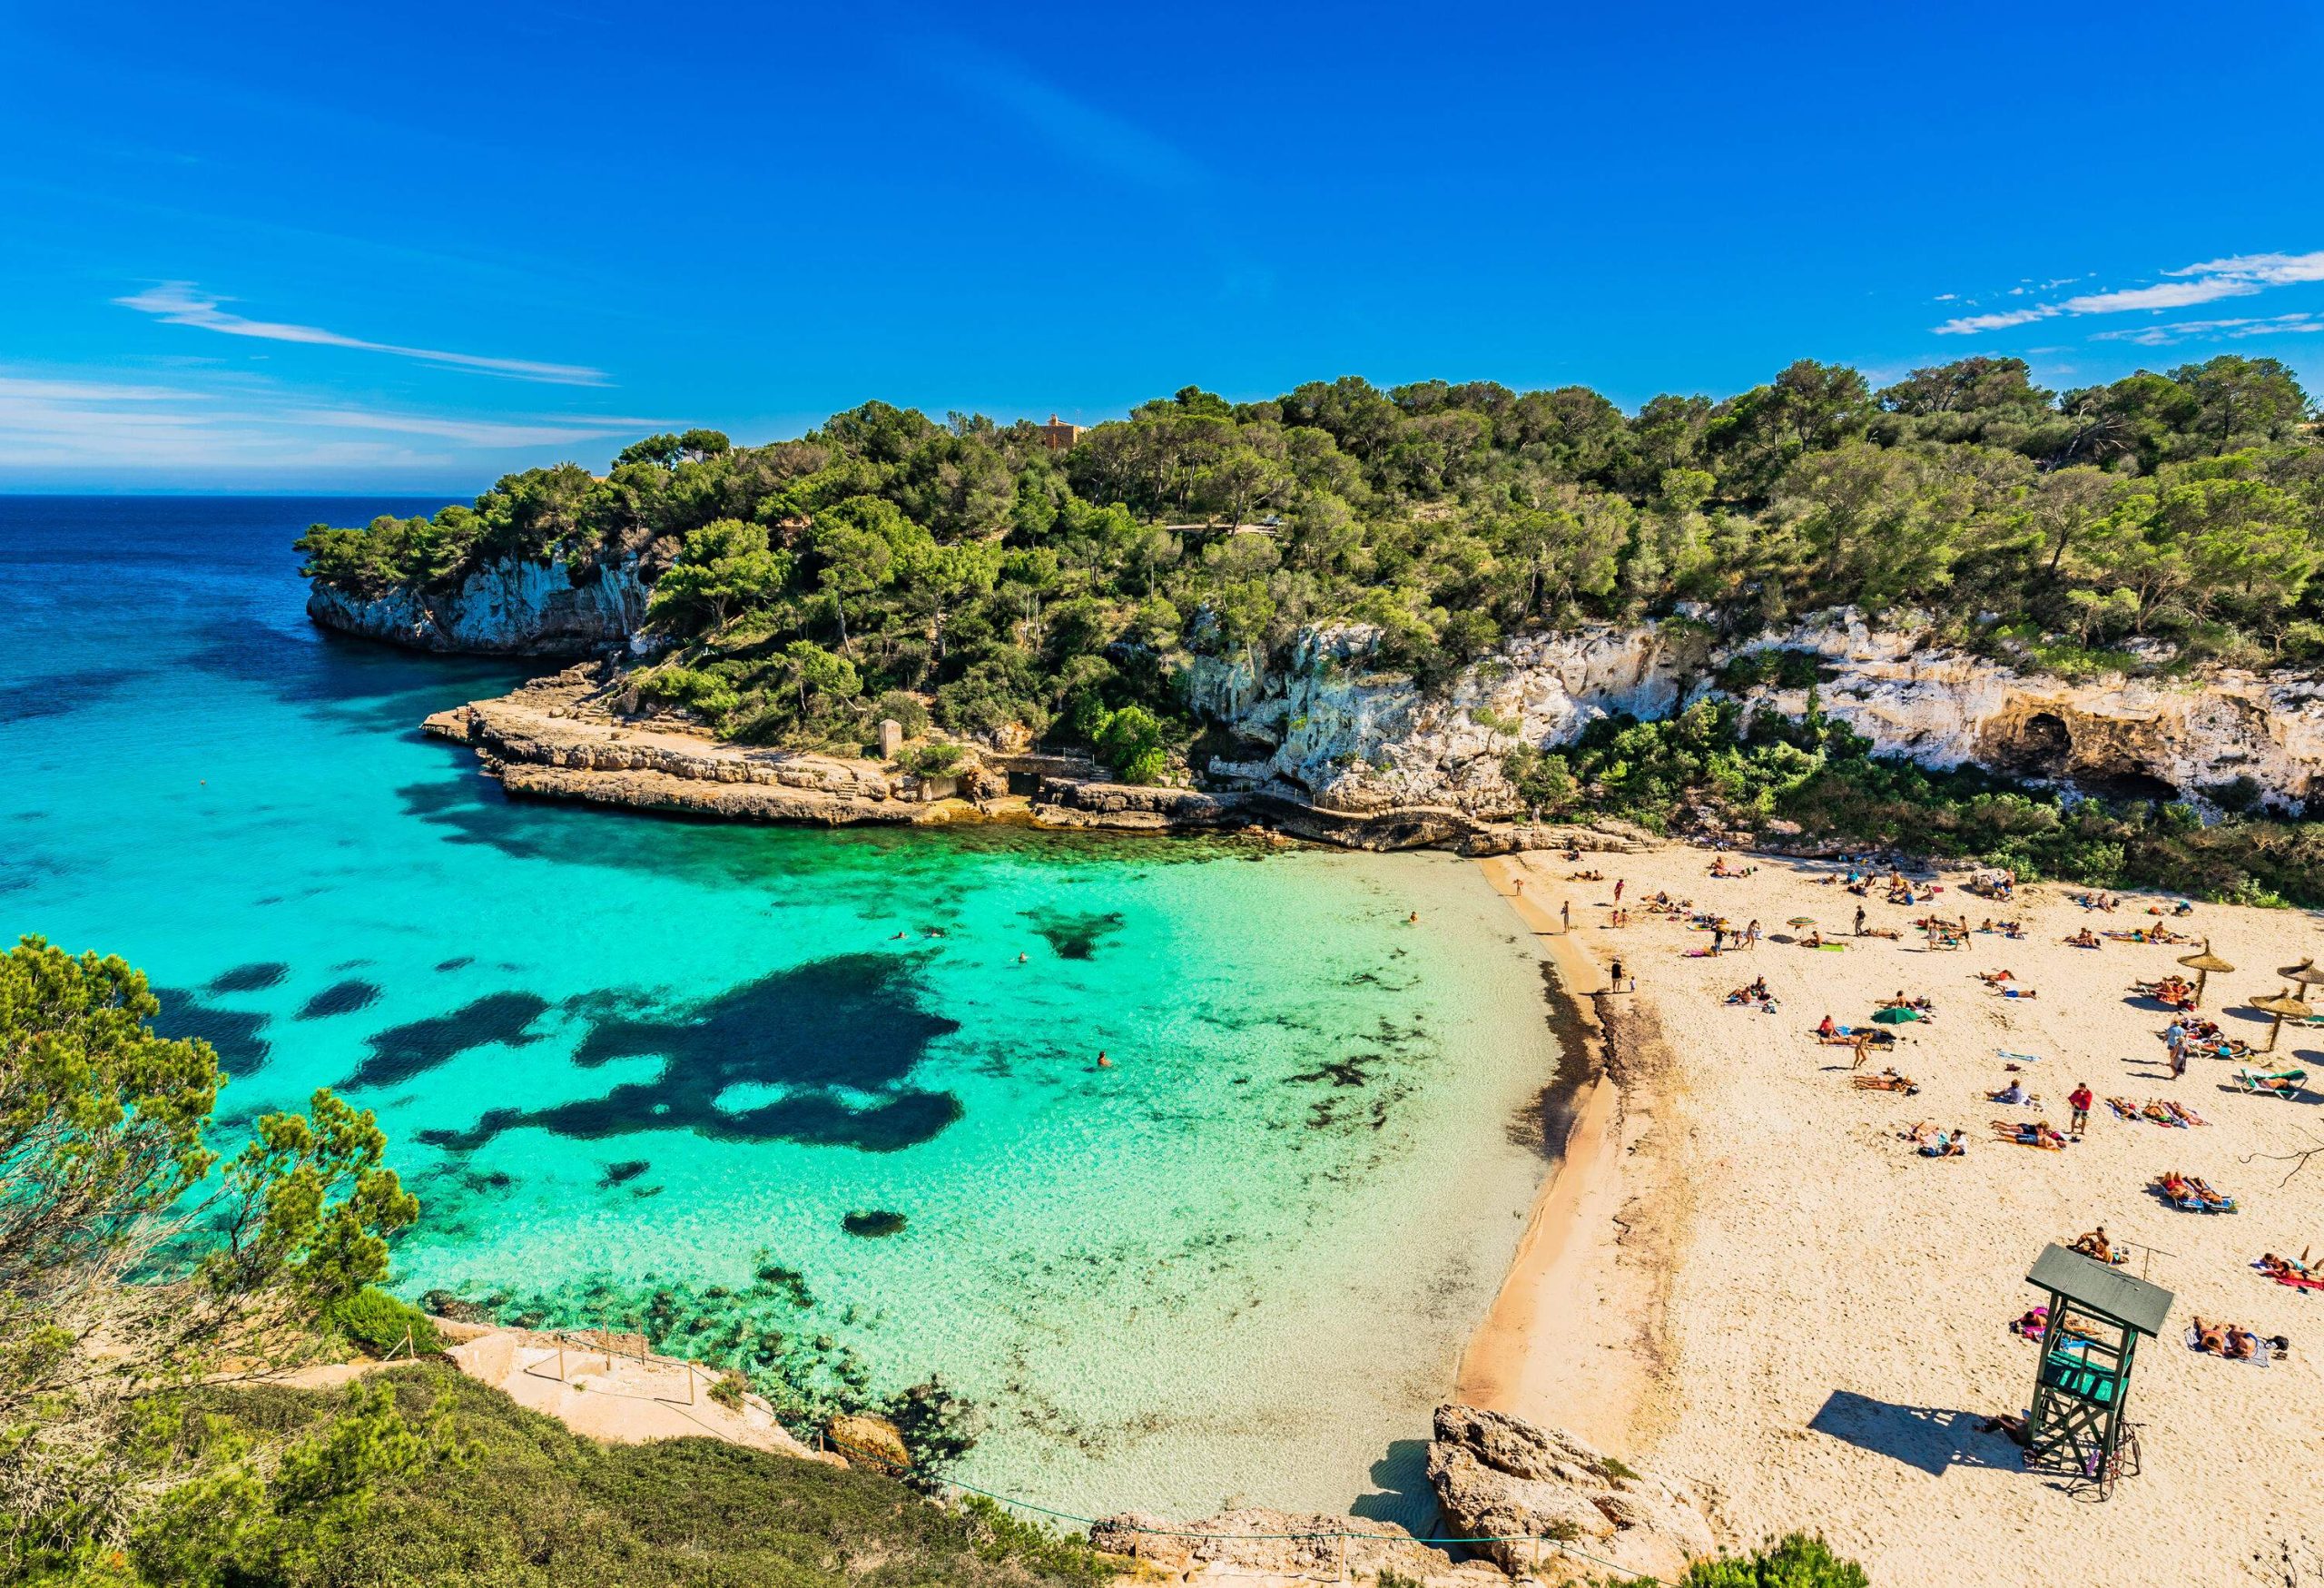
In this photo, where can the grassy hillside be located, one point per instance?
(524, 1503)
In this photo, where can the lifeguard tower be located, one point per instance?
(2097, 1314)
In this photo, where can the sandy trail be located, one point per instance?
(1743, 1275)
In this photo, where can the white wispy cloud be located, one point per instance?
(137, 429)
(2183, 330)
(466, 432)
(2238, 276)
(2277, 269)
(182, 303)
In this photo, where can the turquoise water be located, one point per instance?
(622, 1059)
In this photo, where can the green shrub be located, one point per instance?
(931, 760)
(906, 710)
(1130, 742)
(1797, 1560)
(706, 695)
(376, 1321)
(1001, 1536)
(535, 1506)
(729, 1390)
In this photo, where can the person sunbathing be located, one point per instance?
(1813, 939)
(2013, 929)
(2210, 1199)
(2094, 1243)
(1826, 1028)
(2012, 1094)
(2284, 1268)
(2084, 938)
(2242, 1345)
(2210, 1337)
(1995, 978)
(1956, 1145)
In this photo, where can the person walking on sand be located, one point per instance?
(1614, 970)
(2079, 1099)
(1718, 940)
(1751, 935)
(1617, 890)
(1565, 915)
(1859, 921)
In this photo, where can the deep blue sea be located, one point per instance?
(621, 1058)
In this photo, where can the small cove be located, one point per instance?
(622, 1060)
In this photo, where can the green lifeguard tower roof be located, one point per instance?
(2100, 1289)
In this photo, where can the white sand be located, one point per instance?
(1821, 1324)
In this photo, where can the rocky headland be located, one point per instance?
(1332, 744)
(504, 607)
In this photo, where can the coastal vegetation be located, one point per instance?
(136, 1262)
(1712, 765)
(968, 576)
(969, 565)
(147, 1279)
(529, 1502)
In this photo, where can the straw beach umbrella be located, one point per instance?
(2202, 966)
(2304, 973)
(2284, 1007)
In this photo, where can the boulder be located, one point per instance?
(1503, 1478)
(862, 1437)
(1271, 1545)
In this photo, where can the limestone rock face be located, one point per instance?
(860, 1434)
(1334, 729)
(1501, 1478)
(1256, 1545)
(505, 607)
(1356, 740)
(1946, 708)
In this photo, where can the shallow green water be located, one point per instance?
(616, 1054)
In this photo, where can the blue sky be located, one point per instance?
(306, 247)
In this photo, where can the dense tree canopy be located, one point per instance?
(1013, 586)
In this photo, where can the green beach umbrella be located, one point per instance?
(1902, 1016)
(1801, 920)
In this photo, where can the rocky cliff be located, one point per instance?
(505, 607)
(1351, 737)
(1538, 1502)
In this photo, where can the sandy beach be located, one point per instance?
(1744, 1276)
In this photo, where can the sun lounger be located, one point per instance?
(2281, 1083)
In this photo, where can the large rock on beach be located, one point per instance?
(1501, 1478)
(1257, 1546)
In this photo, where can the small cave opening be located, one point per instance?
(2129, 788)
(2041, 746)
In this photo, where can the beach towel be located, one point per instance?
(2261, 1353)
(2020, 1057)
(2300, 1282)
